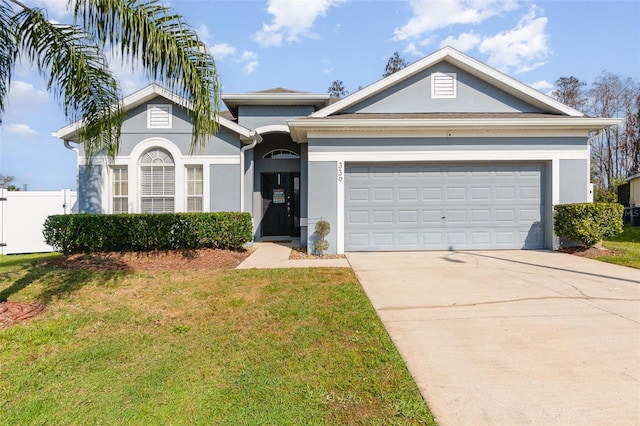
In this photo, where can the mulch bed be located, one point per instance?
(300, 253)
(152, 261)
(588, 252)
(13, 312)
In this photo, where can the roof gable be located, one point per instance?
(146, 95)
(487, 87)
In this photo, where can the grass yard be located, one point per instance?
(198, 346)
(626, 247)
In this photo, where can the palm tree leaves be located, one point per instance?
(7, 52)
(168, 49)
(77, 74)
(71, 57)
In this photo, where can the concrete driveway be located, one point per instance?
(512, 337)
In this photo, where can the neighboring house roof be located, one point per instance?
(633, 177)
(144, 95)
(554, 116)
(275, 97)
(278, 90)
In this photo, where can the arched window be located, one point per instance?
(157, 182)
(281, 154)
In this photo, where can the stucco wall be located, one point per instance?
(414, 95)
(90, 189)
(323, 200)
(574, 175)
(225, 188)
(253, 117)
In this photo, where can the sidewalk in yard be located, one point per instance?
(268, 255)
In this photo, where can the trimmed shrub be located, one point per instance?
(90, 233)
(588, 223)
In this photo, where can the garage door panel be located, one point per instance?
(357, 194)
(382, 194)
(408, 194)
(443, 207)
(409, 217)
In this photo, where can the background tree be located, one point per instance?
(570, 91)
(72, 61)
(394, 64)
(337, 90)
(5, 180)
(615, 152)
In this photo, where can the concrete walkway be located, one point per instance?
(512, 337)
(268, 255)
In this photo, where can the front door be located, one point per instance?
(280, 204)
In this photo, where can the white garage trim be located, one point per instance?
(441, 156)
(399, 156)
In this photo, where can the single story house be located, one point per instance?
(446, 154)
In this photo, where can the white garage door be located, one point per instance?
(443, 207)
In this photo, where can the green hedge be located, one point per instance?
(588, 223)
(89, 233)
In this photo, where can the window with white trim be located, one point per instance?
(443, 85)
(159, 116)
(120, 189)
(195, 180)
(157, 182)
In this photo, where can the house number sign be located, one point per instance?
(340, 171)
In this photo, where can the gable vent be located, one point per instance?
(159, 116)
(443, 85)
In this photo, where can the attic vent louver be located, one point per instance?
(443, 85)
(159, 116)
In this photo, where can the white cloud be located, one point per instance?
(520, 49)
(432, 15)
(292, 19)
(543, 86)
(412, 49)
(56, 8)
(220, 51)
(248, 61)
(25, 95)
(464, 42)
(21, 130)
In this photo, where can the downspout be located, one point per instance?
(256, 138)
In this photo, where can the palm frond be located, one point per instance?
(7, 52)
(168, 49)
(77, 75)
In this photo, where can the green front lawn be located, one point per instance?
(294, 346)
(626, 247)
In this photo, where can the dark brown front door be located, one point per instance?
(280, 204)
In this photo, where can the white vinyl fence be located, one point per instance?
(22, 216)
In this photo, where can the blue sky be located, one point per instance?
(307, 44)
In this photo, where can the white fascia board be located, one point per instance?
(301, 128)
(466, 63)
(233, 100)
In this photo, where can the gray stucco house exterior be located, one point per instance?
(446, 154)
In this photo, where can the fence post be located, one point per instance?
(3, 218)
